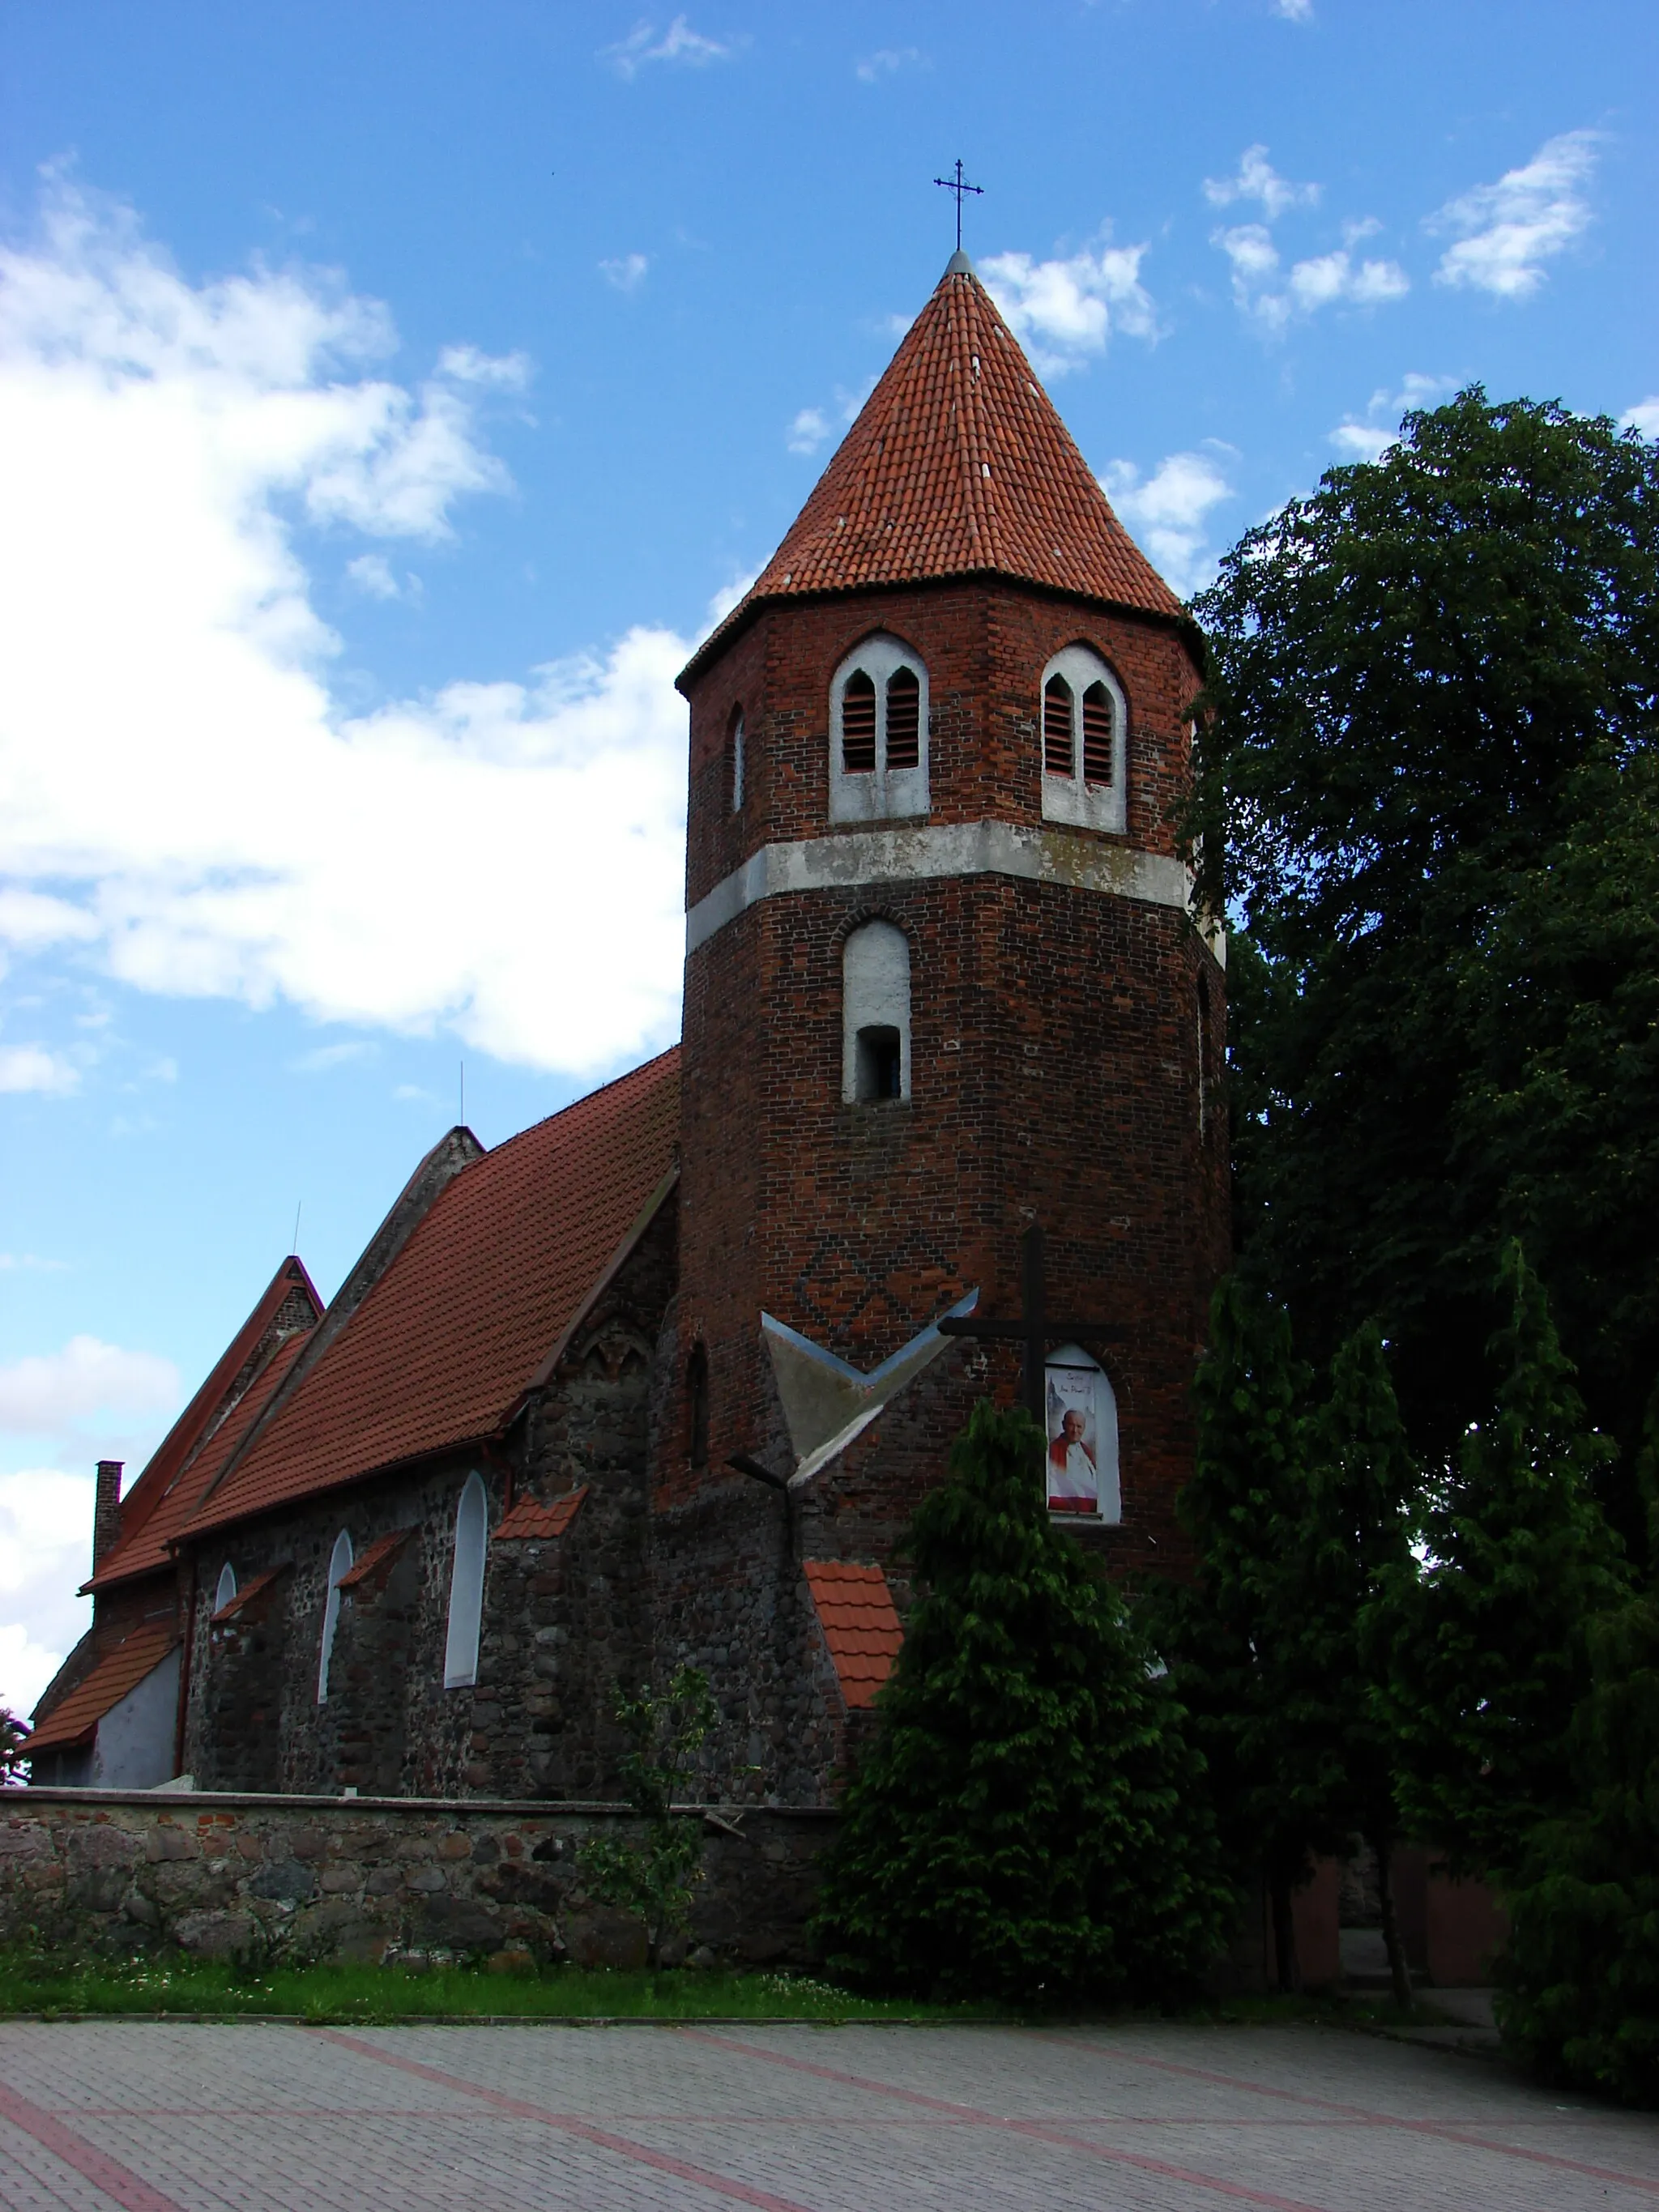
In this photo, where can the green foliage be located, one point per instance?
(1029, 1823)
(1484, 1644)
(14, 1750)
(1428, 783)
(656, 1876)
(1580, 1971)
(1295, 1511)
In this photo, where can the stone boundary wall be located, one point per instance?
(372, 1879)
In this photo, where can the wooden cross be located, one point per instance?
(1036, 1329)
(955, 185)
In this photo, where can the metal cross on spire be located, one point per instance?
(956, 185)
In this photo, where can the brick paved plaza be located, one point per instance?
(154, 2117)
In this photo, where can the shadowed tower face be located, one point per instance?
(941, 979)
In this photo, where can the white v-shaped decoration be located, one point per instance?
(826, 1402)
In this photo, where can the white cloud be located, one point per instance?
(33, 1067)
(49, 1392)
(1367, 438)
(887, 61)
(1294, 11)
(157, 439)
(678, 44)
(809, 430)
(1504, 233)
(12, 1263)
(1273, 296)
(323, 1057)
(1063, 312)
(1643, 416)
(372, 573)
(1257, 179)
(1166, 512)
(627, 272)
(45, 1552)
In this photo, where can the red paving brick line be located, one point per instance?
(700, 2176)
(1436, 2127)
(118, 2182)
(1037, 2130)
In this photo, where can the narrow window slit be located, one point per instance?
(1097, 734)
(1058, 758)
(858, 726)
(903, 719)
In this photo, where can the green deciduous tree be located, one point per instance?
(1029, 1822)
(1427, 784)
(1485, 1643)
(657, 1875)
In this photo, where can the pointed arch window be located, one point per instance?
(878, 733)
(225, 1590)
(339, 1566)
(1084, 742)
(466, 1577)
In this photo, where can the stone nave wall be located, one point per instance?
(372, 1878)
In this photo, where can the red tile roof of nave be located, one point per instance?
(443, 1348)
(149, 1551)
(144, 1496)
(860, 1624)
(958, 463)
(530, 1519)
(75, 1717)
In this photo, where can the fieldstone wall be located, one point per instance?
(382, 1879)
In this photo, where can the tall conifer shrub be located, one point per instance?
(1487, 1643)
(1029, 1823)
(1580, 1993)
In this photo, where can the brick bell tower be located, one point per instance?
(941, 982)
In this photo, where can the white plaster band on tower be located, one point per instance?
(850, 861)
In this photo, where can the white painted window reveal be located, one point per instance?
(878, 733)
(339, 1566)
(466, 1585)
(1081, 1422)
(1082, 734)
(875, 1014)
(227, 1586)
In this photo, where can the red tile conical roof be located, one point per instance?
(958, 465)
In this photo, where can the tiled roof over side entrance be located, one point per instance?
(444, 1346)
(75, 1717)
(860, 1622)
(958, 463)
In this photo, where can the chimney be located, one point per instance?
(106, 1511)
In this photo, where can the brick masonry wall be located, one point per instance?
(360, 1879)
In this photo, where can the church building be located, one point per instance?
(662, 1377)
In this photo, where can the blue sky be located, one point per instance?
(389, 396)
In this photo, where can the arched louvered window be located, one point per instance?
(696, 1405)
(1059, 744)
(903, 719)
(735, 760)
(1098, 766)
(226, 1588)
(1084, 742)
(339, 1566)
(878, 733)
(466, 1585)
(858, 725)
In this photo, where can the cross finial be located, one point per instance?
(956, 185)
